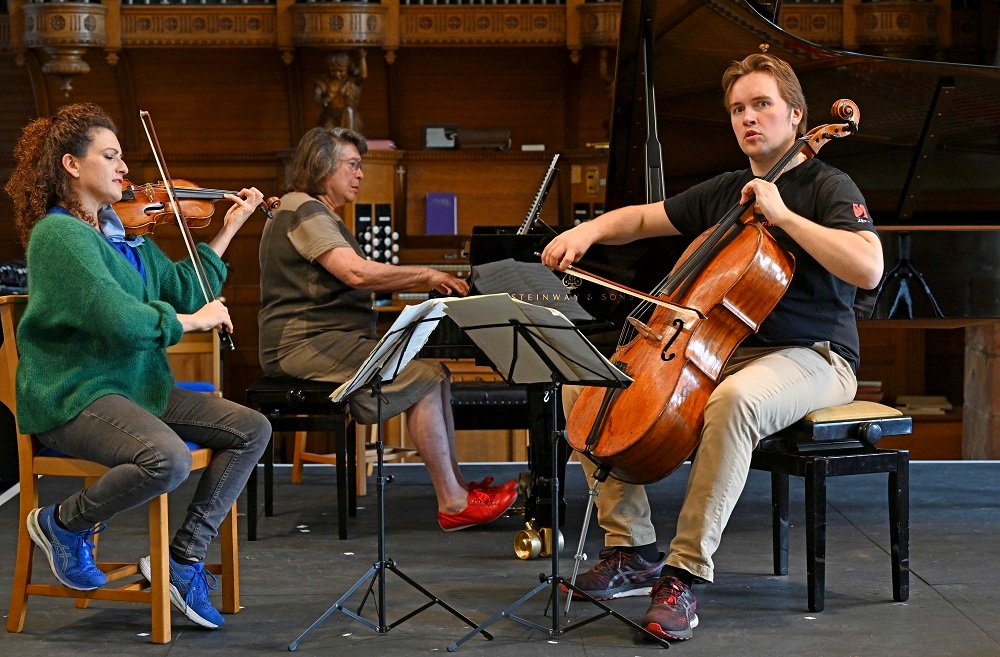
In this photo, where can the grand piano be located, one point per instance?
(926, 155)
(927, 159)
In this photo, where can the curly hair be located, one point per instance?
(783, 74)
(39, 181)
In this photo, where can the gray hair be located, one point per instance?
(318, 154)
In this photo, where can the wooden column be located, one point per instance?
(981, 414)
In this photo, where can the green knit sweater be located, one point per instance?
(93, 328)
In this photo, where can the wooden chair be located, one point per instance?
(125, 583)
(196, 362)
(832, 442)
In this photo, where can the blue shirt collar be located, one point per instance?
(113, 228)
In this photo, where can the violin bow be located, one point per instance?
(225, 338)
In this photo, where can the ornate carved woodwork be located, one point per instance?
(226, 26)
(64, 31)
(822, 24)
(326, 24)
(599, 22)
(898, 29)
(524, 25)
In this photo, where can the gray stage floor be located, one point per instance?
(299, 568)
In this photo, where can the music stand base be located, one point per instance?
(371, 577)
(376, 574)
(555, 581)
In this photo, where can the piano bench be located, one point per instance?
(489, 405)
(301, 406)
(830, 442)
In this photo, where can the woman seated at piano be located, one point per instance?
(317, 319)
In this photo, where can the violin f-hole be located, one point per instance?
(678, 325)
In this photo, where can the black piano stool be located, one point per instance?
(827, 443)
(299, 405)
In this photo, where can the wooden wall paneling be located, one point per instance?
(393, 107)
(130, 133)
(595, 99)
(934, 437)
(522, 89)
(206, 105)
(292, 90)
(492, 188)
(19, 108)
(894, 356)
(99, 86)
(944, 368)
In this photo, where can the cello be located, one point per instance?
(677, 341)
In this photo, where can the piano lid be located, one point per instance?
(693, 42)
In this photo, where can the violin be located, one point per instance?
(678, 340)
(142, 207)
(177, 211)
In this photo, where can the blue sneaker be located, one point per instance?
(70, 553)
(189, 587)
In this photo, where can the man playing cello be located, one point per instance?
(803, 357)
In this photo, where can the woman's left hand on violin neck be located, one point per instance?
(244, 205)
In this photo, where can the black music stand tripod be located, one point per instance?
(383, 365)
(549, 343)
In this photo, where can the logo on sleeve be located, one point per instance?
(861, 212)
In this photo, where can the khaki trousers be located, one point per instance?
(761, 392)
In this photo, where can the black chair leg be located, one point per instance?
(352, 462)
(269, 478)
(779, 522)
(252, 506)
(816, 532)
(342, 480)
(899, 526)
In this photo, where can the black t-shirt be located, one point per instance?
(818, 306)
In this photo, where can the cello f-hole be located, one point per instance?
(678, 325)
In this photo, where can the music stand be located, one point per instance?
(396, 348)
(532, 345)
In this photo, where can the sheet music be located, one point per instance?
(390, 356)
(488, 321)
(529, 281)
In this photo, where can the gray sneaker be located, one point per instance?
(672, 612)
(620, 574)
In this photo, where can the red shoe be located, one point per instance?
(487, 484)
(484, 506)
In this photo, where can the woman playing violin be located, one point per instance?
(804, 356)
(93, 380)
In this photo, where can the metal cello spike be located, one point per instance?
(580, 555)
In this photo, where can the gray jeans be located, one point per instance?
(147, 457)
